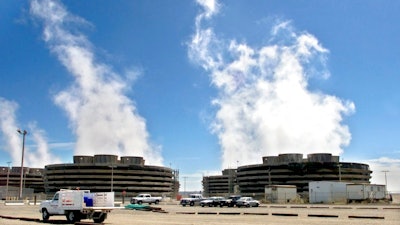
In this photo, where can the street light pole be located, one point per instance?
(8, 177)
(23, 133)
(385, 171)
(112, 176)
(184, 184)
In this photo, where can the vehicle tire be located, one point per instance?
(72, 217)
(183, 205)
(238, 206)
(100, 219)
(45, 215)
(202, 205)
(156, 202)
(191, 204)
(221, 205)
(210, 205)
(248, 205)
(139, 202)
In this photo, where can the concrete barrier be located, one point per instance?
(285, 214)
(321, 215)
(17, 202)
(367, 217)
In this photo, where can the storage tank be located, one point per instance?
(79, 159)
(132, 160)
(335, 159)
(105, 159)
(271, 160)
(319, 157)
(290, 158)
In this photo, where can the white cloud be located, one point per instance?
(103, 118)
(38, 157)
(9, 129)
(211, 7)
(41, 156)
(264, 105)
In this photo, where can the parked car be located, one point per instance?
(145, 198)
(247, 202)
(192, 200)
(212, 202)
(230, 201)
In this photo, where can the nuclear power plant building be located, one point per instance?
(285, 169)
(102, 173)
(10, 180)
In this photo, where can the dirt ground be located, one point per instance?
(175, 214)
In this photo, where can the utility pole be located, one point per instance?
(23, 133)
(184, 184)
(385, 171)
(8, 177)
(269, 176)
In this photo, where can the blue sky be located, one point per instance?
(201, 86)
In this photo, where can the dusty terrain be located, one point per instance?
(265, 214)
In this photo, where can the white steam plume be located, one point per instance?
(104, 120)
(13, 141)
(264, 104)
(42, 155)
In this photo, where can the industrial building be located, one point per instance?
(285, 169)
(126, 176)
(10, 180)
(220, 184)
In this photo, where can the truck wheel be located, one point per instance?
(191, 203)
(73, 217)
(101, 218)
(156, 202)
(139, 202)
(45, 215)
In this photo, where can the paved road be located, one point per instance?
(266, 214)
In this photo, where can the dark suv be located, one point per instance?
(230, 201)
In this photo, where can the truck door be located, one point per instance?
(54, 206)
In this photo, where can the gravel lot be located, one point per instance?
(265, 214)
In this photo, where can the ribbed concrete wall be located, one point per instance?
(220, 185)
(32, 178)
(102, 173)
(288, 169)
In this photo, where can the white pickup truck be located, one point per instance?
(192, 200)
(78, 204)
(145, 198)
